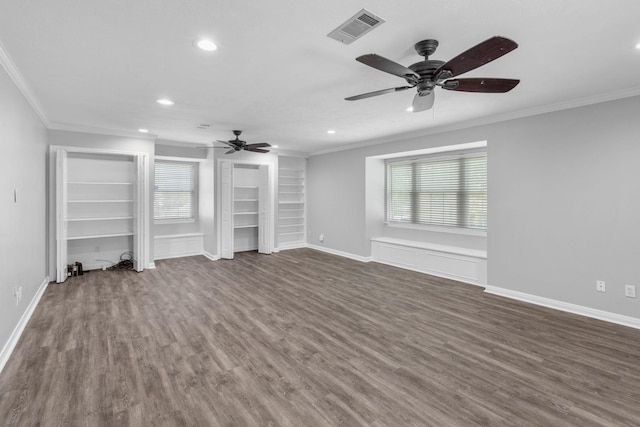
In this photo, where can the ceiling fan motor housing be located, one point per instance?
(425, 70)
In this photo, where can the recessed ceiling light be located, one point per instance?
(638, 46)
(143, 130)
(331, 132)
(410, 109)
(206, 45)
(165, 101)
(275, 146)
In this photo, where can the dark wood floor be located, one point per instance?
(303, 338)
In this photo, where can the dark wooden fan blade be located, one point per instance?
(377, 92)
(258, 145)
(483, 53)
(383, 64)
(423, 102)
(230, 151)
(257, 150)
(229, 143)
(481, 85)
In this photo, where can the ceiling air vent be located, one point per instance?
(356, 26)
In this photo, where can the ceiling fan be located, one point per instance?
(426, 75)
(239, 145)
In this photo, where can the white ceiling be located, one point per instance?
(101, 64)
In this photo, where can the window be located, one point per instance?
(174, 197)
(439, 191)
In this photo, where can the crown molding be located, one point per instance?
(101, 131)
(550, 108)
(15, 75)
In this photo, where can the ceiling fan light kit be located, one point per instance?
(427, 74)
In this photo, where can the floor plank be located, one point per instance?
(304, 338)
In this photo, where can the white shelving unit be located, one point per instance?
(291, 229)
(96, 203)
(245, 208)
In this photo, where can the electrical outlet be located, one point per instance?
(600, 286)
(321, 237)
(630, 291)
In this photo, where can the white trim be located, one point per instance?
(455, 250)
(339, 253)
(19, 329)
(566, 105)
(211, 256)
(151, 265)
(101, 131)
(437, 229)
(180, 159)
(7, 63)
(619, 319)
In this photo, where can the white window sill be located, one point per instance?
(438, 229)
(174, 221)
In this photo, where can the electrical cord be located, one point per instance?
(126, 262)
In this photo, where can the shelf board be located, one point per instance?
(291, 233)
(98, 183)
(99, 219)
(246, 226)
(291, 217)
(291, 192)
(291, 185)
(290, 169)
(245, 200)
(98, 236)
(100, 201)
(300, 202)
(291, 225)
(253, 187)
(245, 213)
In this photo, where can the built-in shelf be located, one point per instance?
(246, 226)
(99, 219)
(246, 186)
(245, 213)
(98, 236)
(291, 203)
(245, 200)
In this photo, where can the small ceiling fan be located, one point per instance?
(426, 75)
(239, 145)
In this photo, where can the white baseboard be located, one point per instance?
(619, 319)
(151, 265)
(339, 253)
(17, 332)
(211, 256)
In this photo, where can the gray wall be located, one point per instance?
(564, 202)
(23, 249)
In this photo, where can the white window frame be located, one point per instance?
(195, 191)
(429, 227)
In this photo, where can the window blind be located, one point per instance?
(447, 191)
(174, 187)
